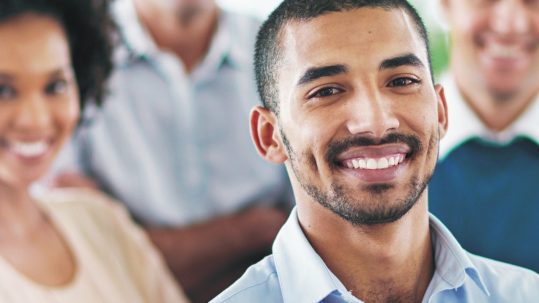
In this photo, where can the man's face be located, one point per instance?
(182, 11)
(359, 115)
(495, 45)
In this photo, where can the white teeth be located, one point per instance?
(362, 163)
(32, 149)
(498, 50)
(372, 163)
(383, 163)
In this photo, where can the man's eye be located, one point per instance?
(56, 87)
(6, 92)
(405, 81)
(325, 92)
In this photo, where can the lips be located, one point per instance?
(374, 161)
(507, 54)
(27, 149)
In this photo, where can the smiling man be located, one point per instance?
(485, 188)
(351, 110)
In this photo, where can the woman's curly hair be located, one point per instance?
(89, 29)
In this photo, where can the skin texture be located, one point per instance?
(495, 56)
(377, 219)
(209, 256)
(38, 103)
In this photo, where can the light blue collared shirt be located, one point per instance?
(295, 273)
(175, 147)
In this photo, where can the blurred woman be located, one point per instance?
(69, 245)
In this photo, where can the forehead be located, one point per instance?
(32, 44)
(359, 38)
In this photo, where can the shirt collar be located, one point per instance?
(464, 124)
(452, 262)
(138, 42)
(224, 48)
(304, 277)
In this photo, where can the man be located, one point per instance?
(171, 142)
(350, 108)
(486, 185)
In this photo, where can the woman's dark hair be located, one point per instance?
(89, 29)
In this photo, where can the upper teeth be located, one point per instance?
(375, 163)
(30, 149)
(498, 50)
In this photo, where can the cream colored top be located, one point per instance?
(116, 262)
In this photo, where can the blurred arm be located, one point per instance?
(206, 258)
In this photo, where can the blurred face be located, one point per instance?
(182, 11)
(495, 45)
(39, 104)
(359, 115)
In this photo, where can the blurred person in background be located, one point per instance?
(486, 186)
(172, 141)
(67, 245)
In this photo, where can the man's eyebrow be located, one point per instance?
(408, 59)
(324, 71)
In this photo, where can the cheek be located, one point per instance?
(467, 25)
(5, 114)
(67, 113)
(422, 120)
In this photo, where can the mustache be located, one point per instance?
(337, 147)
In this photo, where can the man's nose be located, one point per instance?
(511, 17)
(371, 115)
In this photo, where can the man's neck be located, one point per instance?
(495, 111)
(188, 40)
(385, 263)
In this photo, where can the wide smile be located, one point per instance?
(507, 55)
(381, 164)
(28, 150)
(375, 163)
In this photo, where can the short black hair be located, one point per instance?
(89, 30)
(268, 49)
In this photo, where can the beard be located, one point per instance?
(362, 211)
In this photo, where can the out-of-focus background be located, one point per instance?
(427, 8)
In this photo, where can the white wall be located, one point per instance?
(262, 8)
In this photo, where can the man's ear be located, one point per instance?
(265, 135)
(442, 110)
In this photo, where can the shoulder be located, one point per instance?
(79, 203)
(259, 283)
(507, 282)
